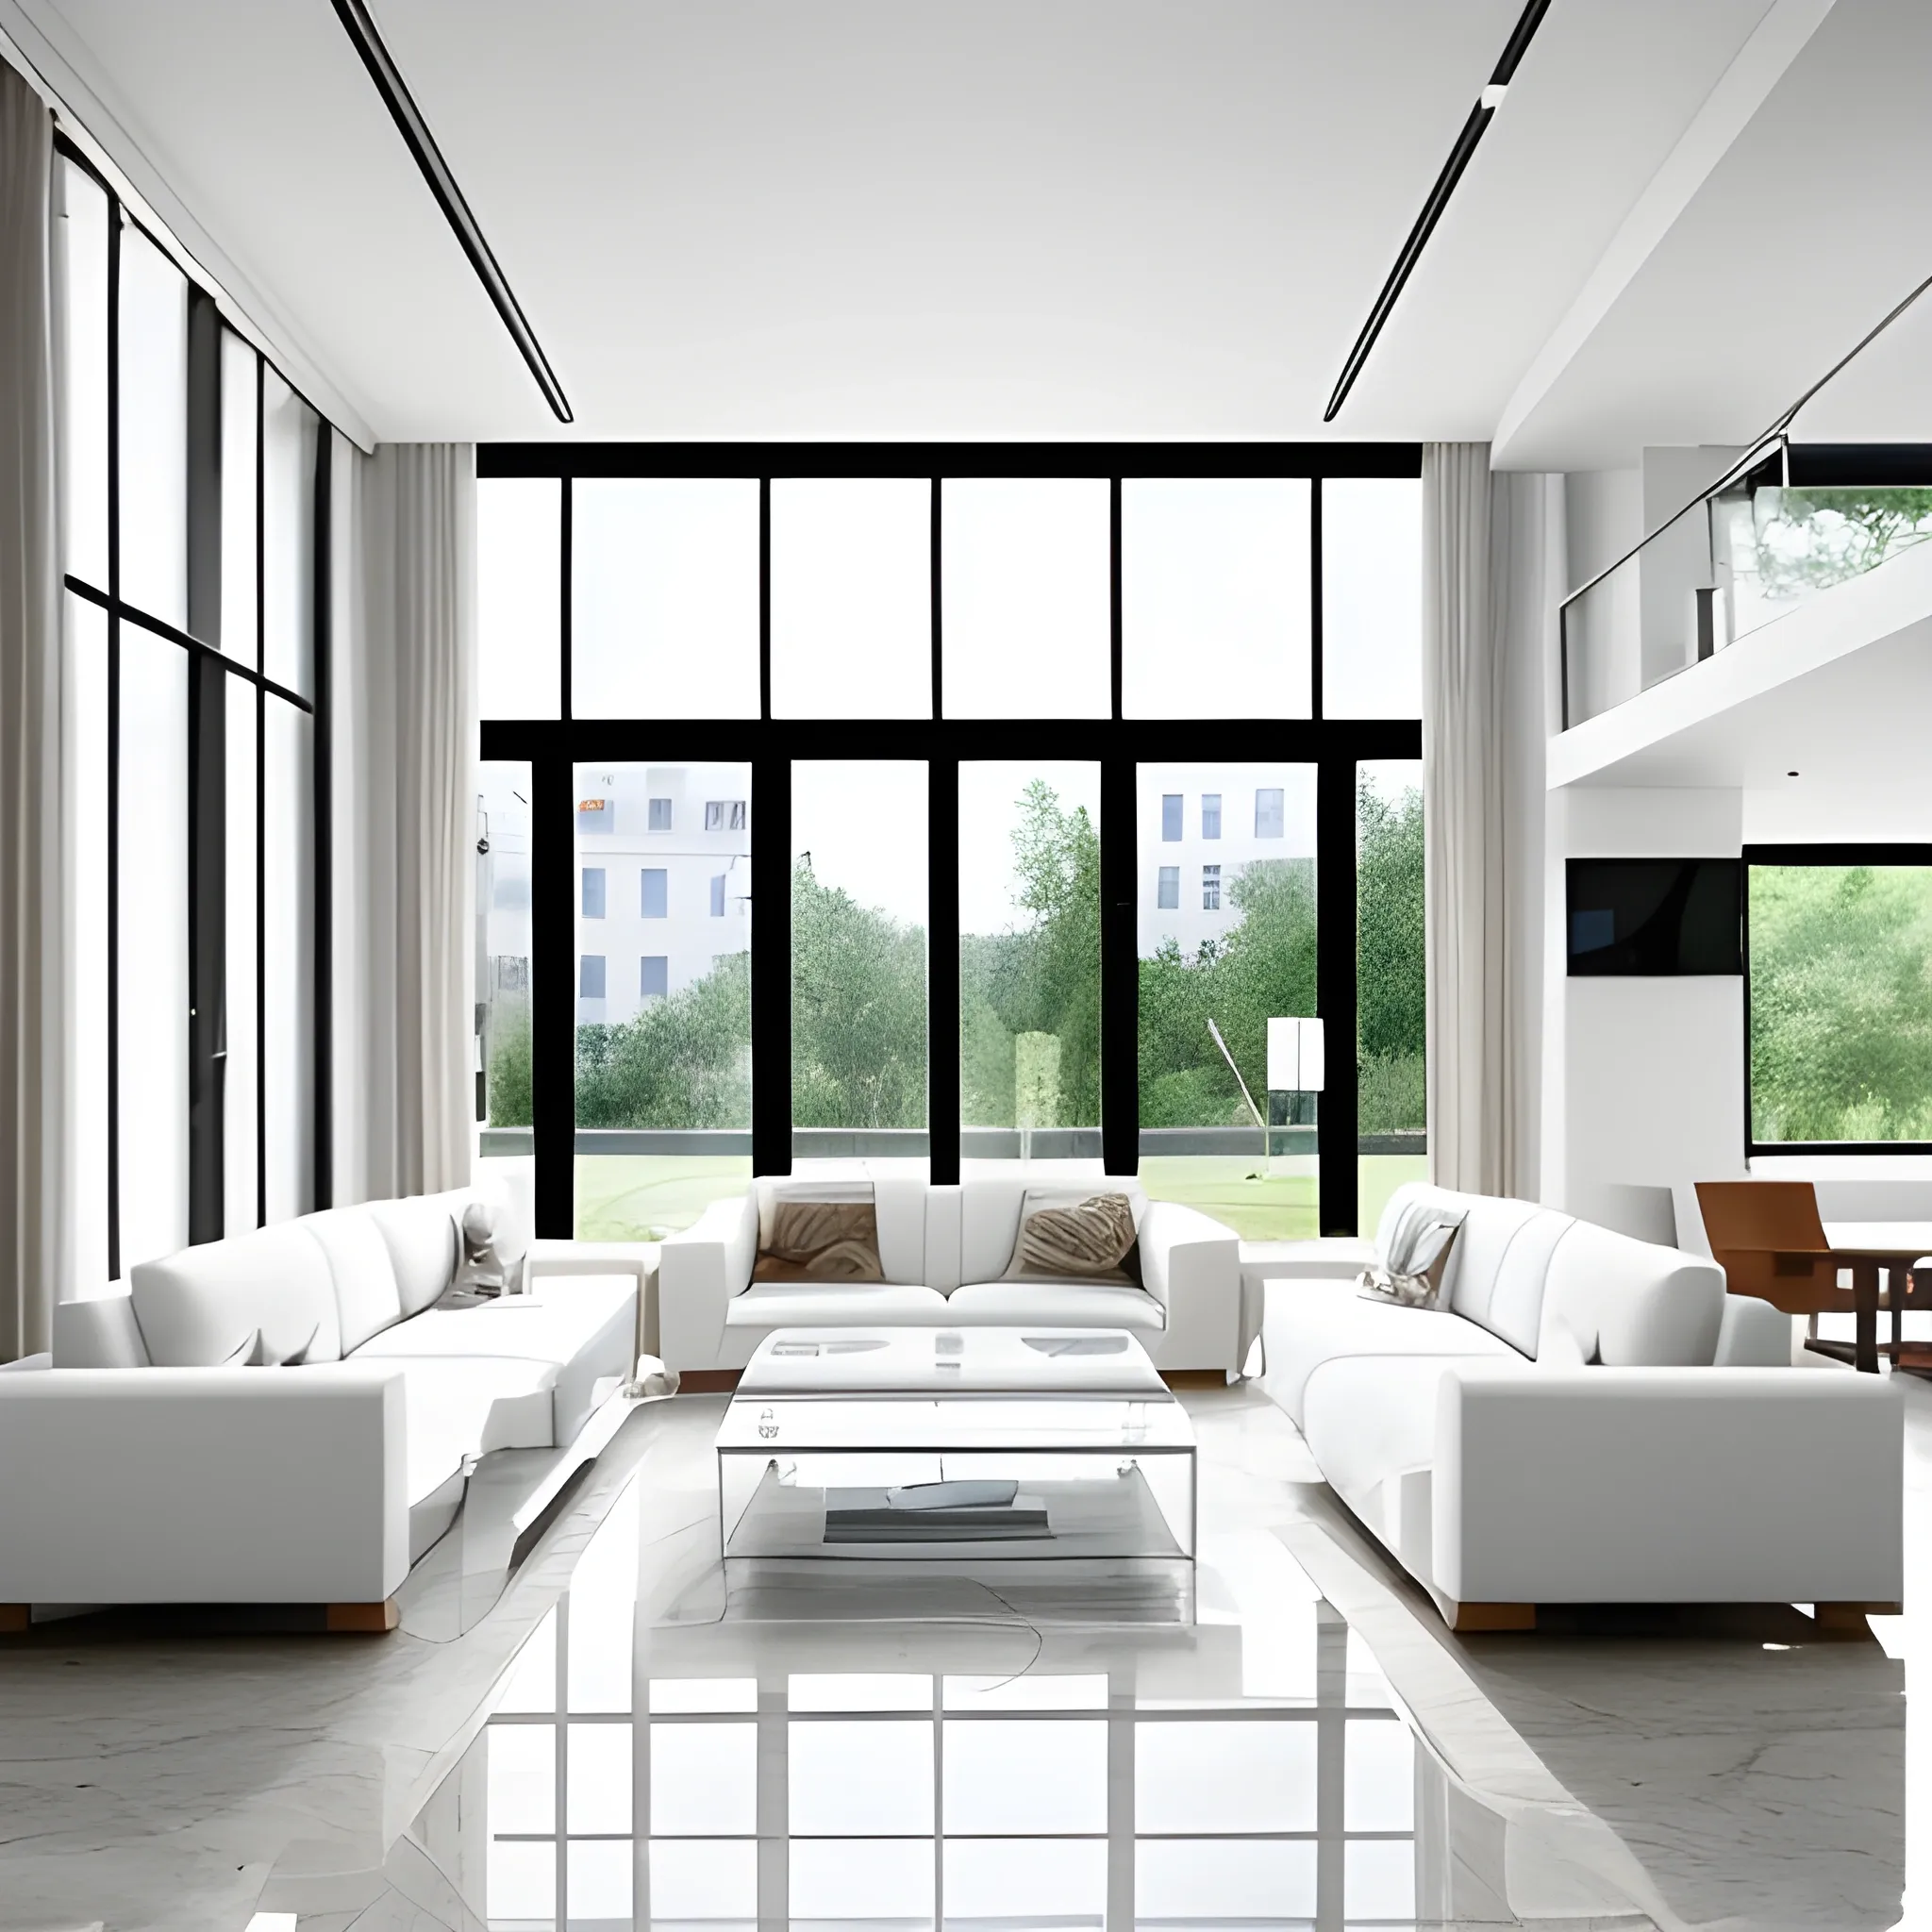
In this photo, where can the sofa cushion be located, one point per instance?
(196, 1308)
(1310, 1322)
(421, 1236)
(1631, 1304)
(1061, 1304)
(989, 1213)
(1075, 1234)
(835, 1304)
(583, 1327)
(367, 1299)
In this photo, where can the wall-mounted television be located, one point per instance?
(1645, 917)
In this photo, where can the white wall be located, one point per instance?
(1678, 561)
(1603, 517)
(1651, 1091)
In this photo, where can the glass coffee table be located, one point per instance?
(922, 1446)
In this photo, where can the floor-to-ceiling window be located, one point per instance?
(198, 504)
(1051, 762)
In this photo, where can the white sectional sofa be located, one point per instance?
(942, 1251)
(162, 1476)
(1589, 1419)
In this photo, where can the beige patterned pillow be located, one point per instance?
(819, 1240)
(1064, 1238)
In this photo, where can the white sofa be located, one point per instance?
(1590, 1419)
(943, 1250)
(160, 1476)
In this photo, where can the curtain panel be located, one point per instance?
(404, 694)
(1492, 570)
(35, 1034)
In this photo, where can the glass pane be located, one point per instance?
(1215, 599)
(1379, 1776)
(504, 902)
(1246, 1775)
(871, 1774)
(87, 659)
(1378, 1879)
(521, 1882)
(288, 510)
(81, 261)
(852, 598)
(600, 1882)
(703, 1693)
(1029, 959)
(1026, 586)
(851, 1884)
(1033, 1692)
(241, 1031)
(1022, 1882)
(1019, 1776)
(152, 878)
(664, 598)
(858, 957)
(663, 1081)
(1392, 980)
(1215, 1881)
(704, 1779)
(522, 1777)
(704, 1882)
(288, 1019)
(1226, 944)
(154, 431)
(532, 1682)
(240, 410)
(1840, 1032)
(519, 596)
(858, 1690)
(597, 1774)
(1372, 597)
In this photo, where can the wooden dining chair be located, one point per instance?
(1764, 1235)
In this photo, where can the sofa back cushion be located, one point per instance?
(989, 1214)
(1628, 1304)
(197, 1308)
(421, 1234)
(367, 1298)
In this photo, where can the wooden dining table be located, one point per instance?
(1897, 1260)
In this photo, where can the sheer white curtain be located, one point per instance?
(34, 1033)
(404, 865)
(1492, 570)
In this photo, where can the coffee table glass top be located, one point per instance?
(909, 1361)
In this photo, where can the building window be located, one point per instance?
(661, 814)
(591, 976)
(724, 815)
(1170, 816)
(654, 976)
(596, 816)
(1211, 814)
(1210, 889)
(655, 892)
(718, 895)
(593, 892)
(1168, 897)
(1267, 814)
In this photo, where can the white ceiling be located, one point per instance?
(1095, 218)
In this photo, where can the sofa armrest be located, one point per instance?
(1751, 1334)
(204, 1486)
(1738, 1485)
(549, 1259)
(1191, 1265)
(699, 1270)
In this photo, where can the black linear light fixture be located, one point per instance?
(1472, 130)
(407, 116)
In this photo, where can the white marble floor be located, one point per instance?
(1682, 1776)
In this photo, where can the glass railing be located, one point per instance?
(1749, 551)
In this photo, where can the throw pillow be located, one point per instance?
(1418, 1284)
(483, 1272)
(819, 1231)
(1082, 1238)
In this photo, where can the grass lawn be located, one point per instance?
(642, 1197)
(1229, 1187)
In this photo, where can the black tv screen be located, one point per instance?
(1655, 916)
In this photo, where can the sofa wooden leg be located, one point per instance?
(1851, 1616)
(366, 1618)
(1470, 1617)
(14, 1619)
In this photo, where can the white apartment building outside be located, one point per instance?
(663, 880)
(1198, 826)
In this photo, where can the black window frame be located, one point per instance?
(208, 667)
(1838, 853)
(552, 747)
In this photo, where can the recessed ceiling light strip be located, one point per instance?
(361, 29)
(1472, 130)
